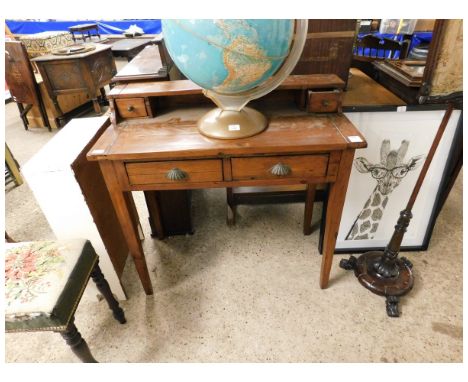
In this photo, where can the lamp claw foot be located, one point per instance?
(348, 264)
(392, 306)
(406, 262)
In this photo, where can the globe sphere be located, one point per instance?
(228, 56)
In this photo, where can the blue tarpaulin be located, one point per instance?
(149, 26)
(416, 39)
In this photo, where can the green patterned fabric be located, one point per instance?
(44, 282)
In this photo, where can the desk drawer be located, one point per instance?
(131, 107)
(297, 166)
(324, 101)
(193, 171)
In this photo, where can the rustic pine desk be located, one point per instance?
(142, 145)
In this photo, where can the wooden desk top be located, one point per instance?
(175, 135)
(128, 44)
(53, 57)
(186, 87)
(146, 65)
(364, 91)
(82, 27)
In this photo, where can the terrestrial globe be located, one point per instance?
(234, 61)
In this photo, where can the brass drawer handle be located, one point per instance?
(325, 102)
(280, 169)
(176, 174)
(130, 108)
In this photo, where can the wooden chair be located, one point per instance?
(44, 282)
(371, 48)
(12, 171)
(21, 82)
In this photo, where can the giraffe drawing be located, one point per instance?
(388, 173)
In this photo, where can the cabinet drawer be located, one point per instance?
(274, 167)
(324, 101)
(194, 171)
(131, 107)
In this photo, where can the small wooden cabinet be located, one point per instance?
(77, 73)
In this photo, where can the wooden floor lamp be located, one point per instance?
(382, 272)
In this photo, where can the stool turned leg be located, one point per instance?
(78, 345)
(103, 287)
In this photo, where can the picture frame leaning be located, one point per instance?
(384, 174)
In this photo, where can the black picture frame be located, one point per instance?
(449, 174)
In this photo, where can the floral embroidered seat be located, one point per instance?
(44, 282)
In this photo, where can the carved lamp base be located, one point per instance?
(392, 287)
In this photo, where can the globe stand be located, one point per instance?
(232, 124)
(383, 273)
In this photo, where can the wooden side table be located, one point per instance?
(82, 29)
(68, 74)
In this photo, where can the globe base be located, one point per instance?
(230, 124)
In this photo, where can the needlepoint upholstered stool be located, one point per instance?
(44, 282)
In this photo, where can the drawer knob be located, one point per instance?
(280, 169)
(325, 103)
(176, 174)
(130, 108)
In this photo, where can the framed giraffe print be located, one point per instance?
(384, 174)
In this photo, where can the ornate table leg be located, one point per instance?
(78, 345)
(103, 287)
